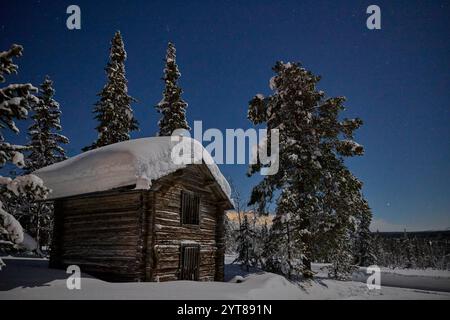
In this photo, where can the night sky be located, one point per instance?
(396, 79)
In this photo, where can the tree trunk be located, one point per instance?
(247, 261)
(289, 249)
(38, 227)
(307, 272)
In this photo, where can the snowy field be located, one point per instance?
(30, 278)
(429, 279)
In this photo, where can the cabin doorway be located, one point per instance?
(190, 262)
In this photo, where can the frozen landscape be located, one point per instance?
(242, 182)
(30, 278)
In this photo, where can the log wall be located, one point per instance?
(136, 235)
(104, 234)
(170, 233)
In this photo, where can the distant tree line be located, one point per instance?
(413, 250)
(250, 242)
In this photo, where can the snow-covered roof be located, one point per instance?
(134, 162)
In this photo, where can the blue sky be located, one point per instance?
(396, 79)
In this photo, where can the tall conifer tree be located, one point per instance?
(16, 101)
(45, 140)
(45, 148)
(113, 111)
(172, 106)
(311, 180)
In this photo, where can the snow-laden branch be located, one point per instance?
(20, 185)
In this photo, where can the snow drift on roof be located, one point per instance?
(134, 162)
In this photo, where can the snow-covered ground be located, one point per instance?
(30, 278)
(428, 279)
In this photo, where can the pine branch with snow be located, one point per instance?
(28, 187)
(16, 101)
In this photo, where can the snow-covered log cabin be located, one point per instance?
(128, 212)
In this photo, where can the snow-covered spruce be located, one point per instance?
(364, 249)
(45, 148)
(113, 111)
(15, 103)
(319, 202)
(10, 226)
(245, 248)
(45, 141)
(172, 107)
(15, 193)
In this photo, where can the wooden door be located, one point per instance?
(190, 262)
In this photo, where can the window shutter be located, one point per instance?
(190, 208)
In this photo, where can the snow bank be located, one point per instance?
(428, 279)
(423, 279)
(135, 162)
(25, 278)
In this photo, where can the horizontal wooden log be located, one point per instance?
(111, 229)
(167, 264)
(114, 199)
(186, 230)
(100, 252)
(177, 242)
(107, 260)
(206, 278)
(102, 223)
(167, 214)
(99, 239)
(204, 267)
(194, 236)
(101, 215)
(167, 277)
(167, 256)
(88, 267)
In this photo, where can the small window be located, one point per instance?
(190, 208)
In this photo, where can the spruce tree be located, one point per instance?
(172, 107)
(113, 111)
(407, 245)
(45, 141)
(261, 244)
(312, 176)
(350, 219)
(15, 103)
(245, 249)
(379, 247)
(45, 148)
(281, 254)
(365, 243)
(229, 236)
